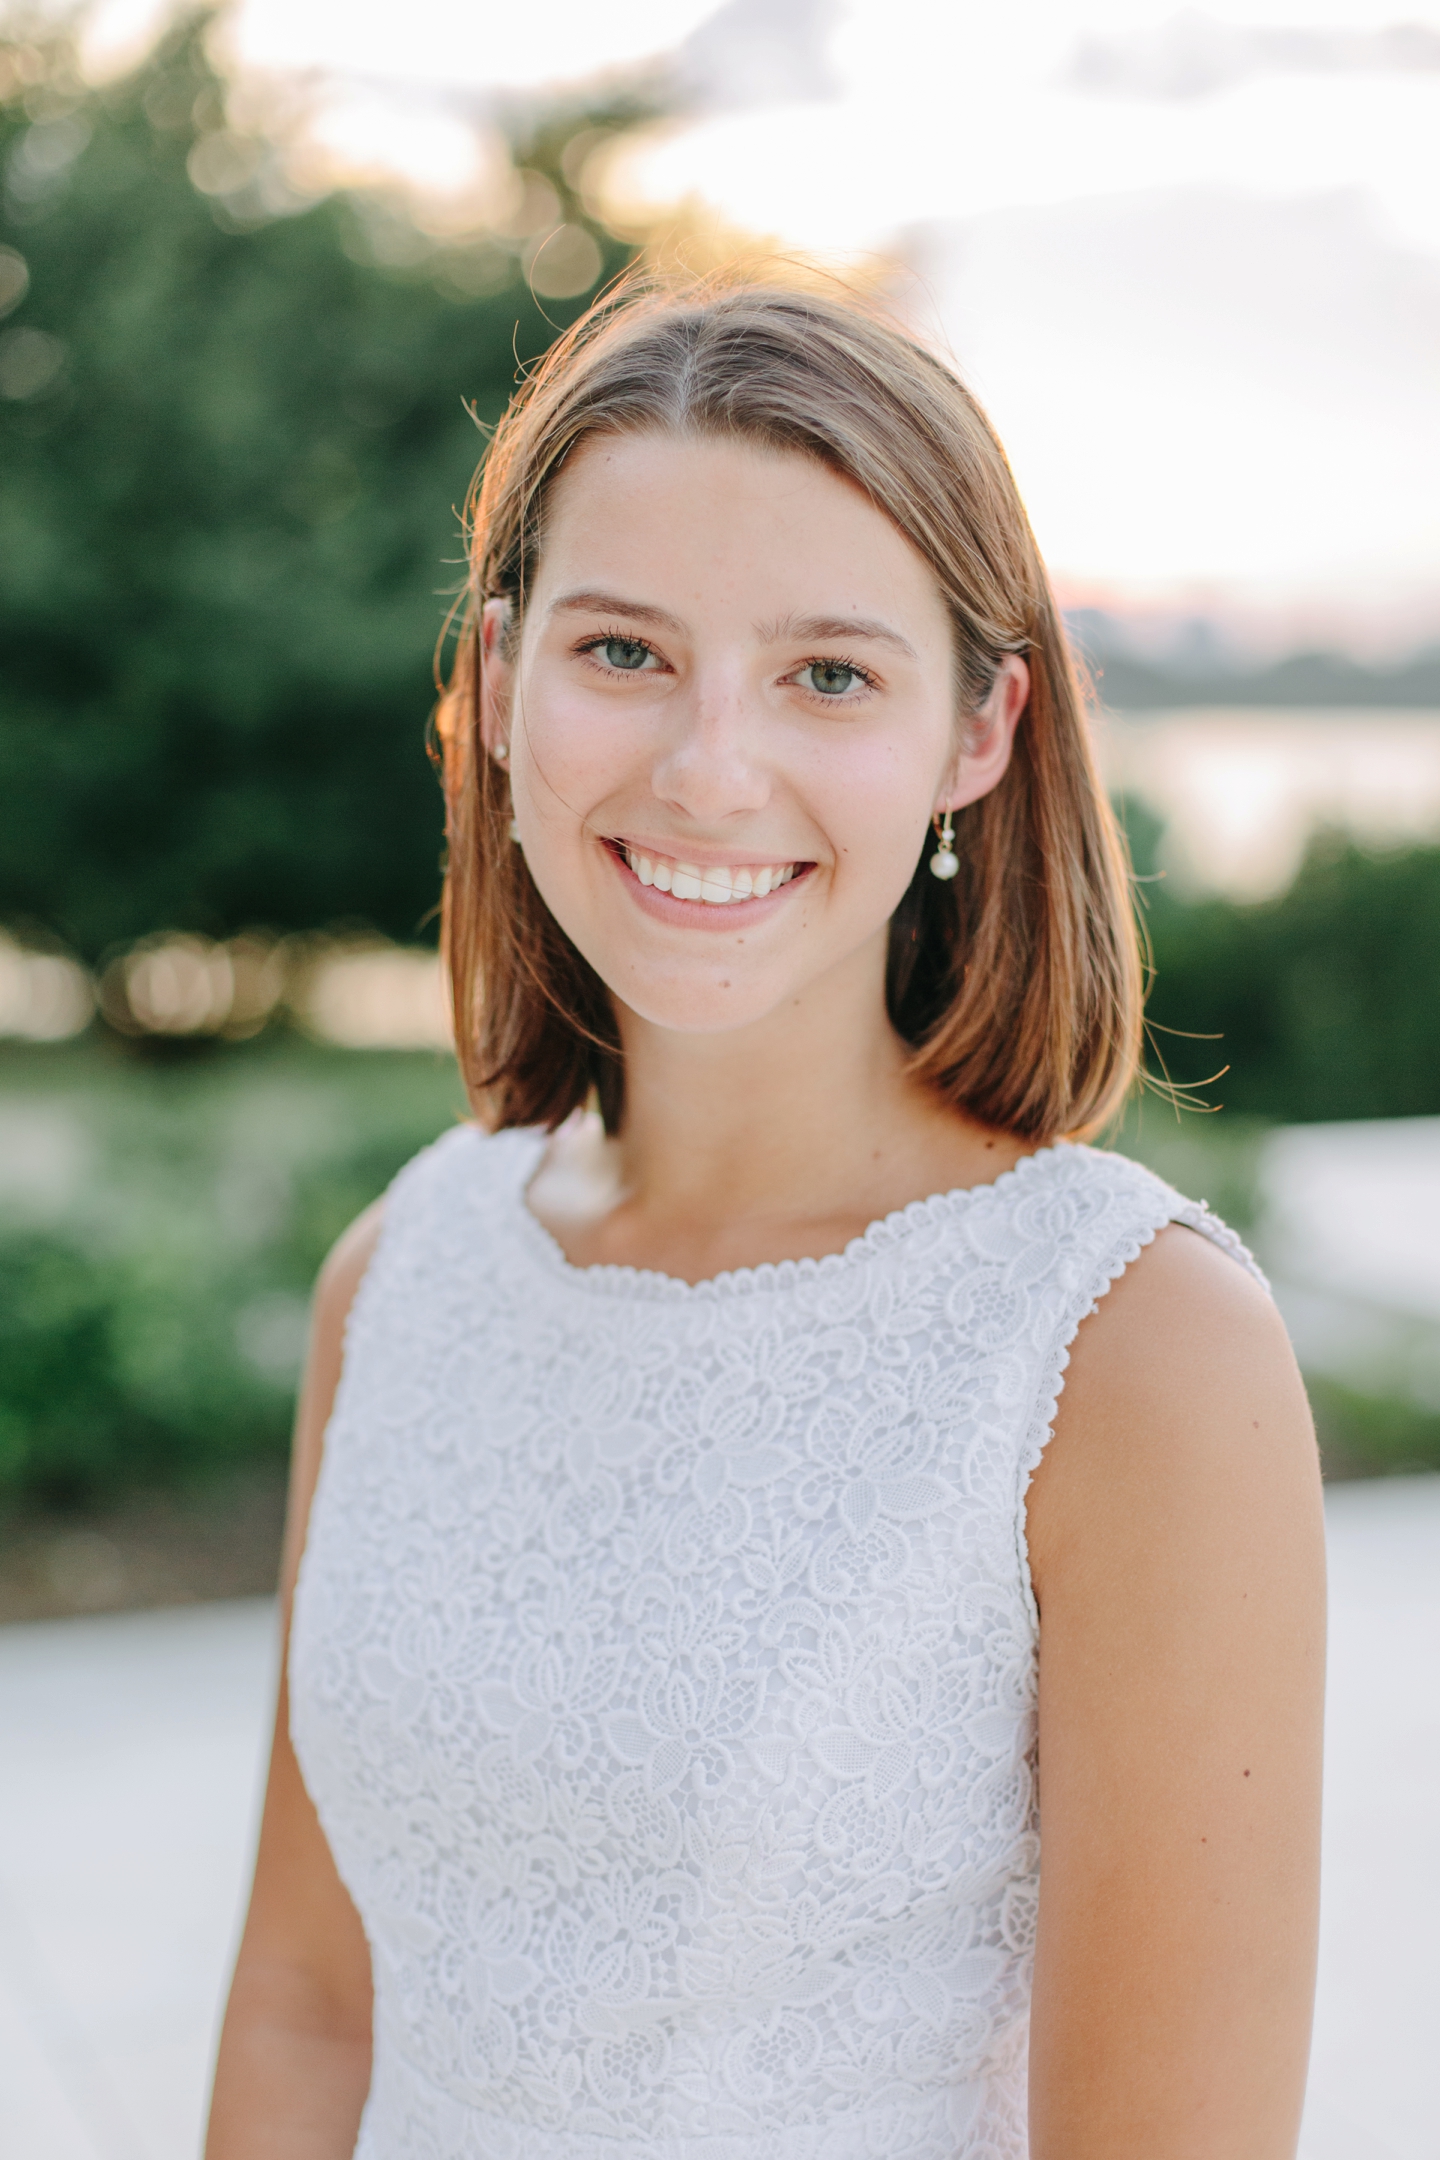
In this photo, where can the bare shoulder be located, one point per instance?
(1177, 1550)
(339, 1279)
(1181, 1392)
(1175, 1307)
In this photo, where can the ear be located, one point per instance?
(989, 738)
(496, 680)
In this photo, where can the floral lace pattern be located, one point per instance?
(664, 1669)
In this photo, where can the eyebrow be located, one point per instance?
(602, 603)
(836, 626)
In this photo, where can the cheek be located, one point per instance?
(872, 799)
(574, 757)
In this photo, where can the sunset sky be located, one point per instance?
(1190, 260)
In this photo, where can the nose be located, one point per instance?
(711, 763)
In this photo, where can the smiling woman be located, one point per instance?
(725, 746)
(851, 432)
(709, 1603)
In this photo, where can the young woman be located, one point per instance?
(719, 1733)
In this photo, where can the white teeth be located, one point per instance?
(715, 885)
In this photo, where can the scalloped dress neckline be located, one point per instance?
(617, 1278)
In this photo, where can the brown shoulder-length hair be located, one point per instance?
(1017, 985)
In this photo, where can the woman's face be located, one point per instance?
(730, 719)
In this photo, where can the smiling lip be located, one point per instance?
(704, 894)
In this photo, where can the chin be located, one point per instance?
(718, 1006)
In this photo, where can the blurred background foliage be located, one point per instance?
(1321, 1003)
(236, 433)
(235, 449)
(163, 1228)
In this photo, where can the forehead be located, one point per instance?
(716, 518)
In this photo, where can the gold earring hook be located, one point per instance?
(944, 863)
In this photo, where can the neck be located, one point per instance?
(766, 1142)
(758, 1121)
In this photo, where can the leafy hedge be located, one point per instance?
(1323, 1003)
(1372, 1435)
(154, 1278)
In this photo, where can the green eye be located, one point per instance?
(624, 653)
(832, 678)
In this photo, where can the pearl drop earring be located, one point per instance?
(944, 862)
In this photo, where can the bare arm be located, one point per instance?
(1177, 1547)
(294, 2062)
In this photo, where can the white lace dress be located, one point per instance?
(664, 1670)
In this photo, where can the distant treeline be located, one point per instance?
(1200, 666)
(1129, 684)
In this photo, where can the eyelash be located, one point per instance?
(837, 660)
(591, 646)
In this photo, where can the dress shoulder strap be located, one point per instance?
(1104, 1209)
(440, 1226)
(451, 1187)
(1150, 1191)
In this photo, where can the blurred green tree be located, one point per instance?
(1324, 1003)
(234, 445)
